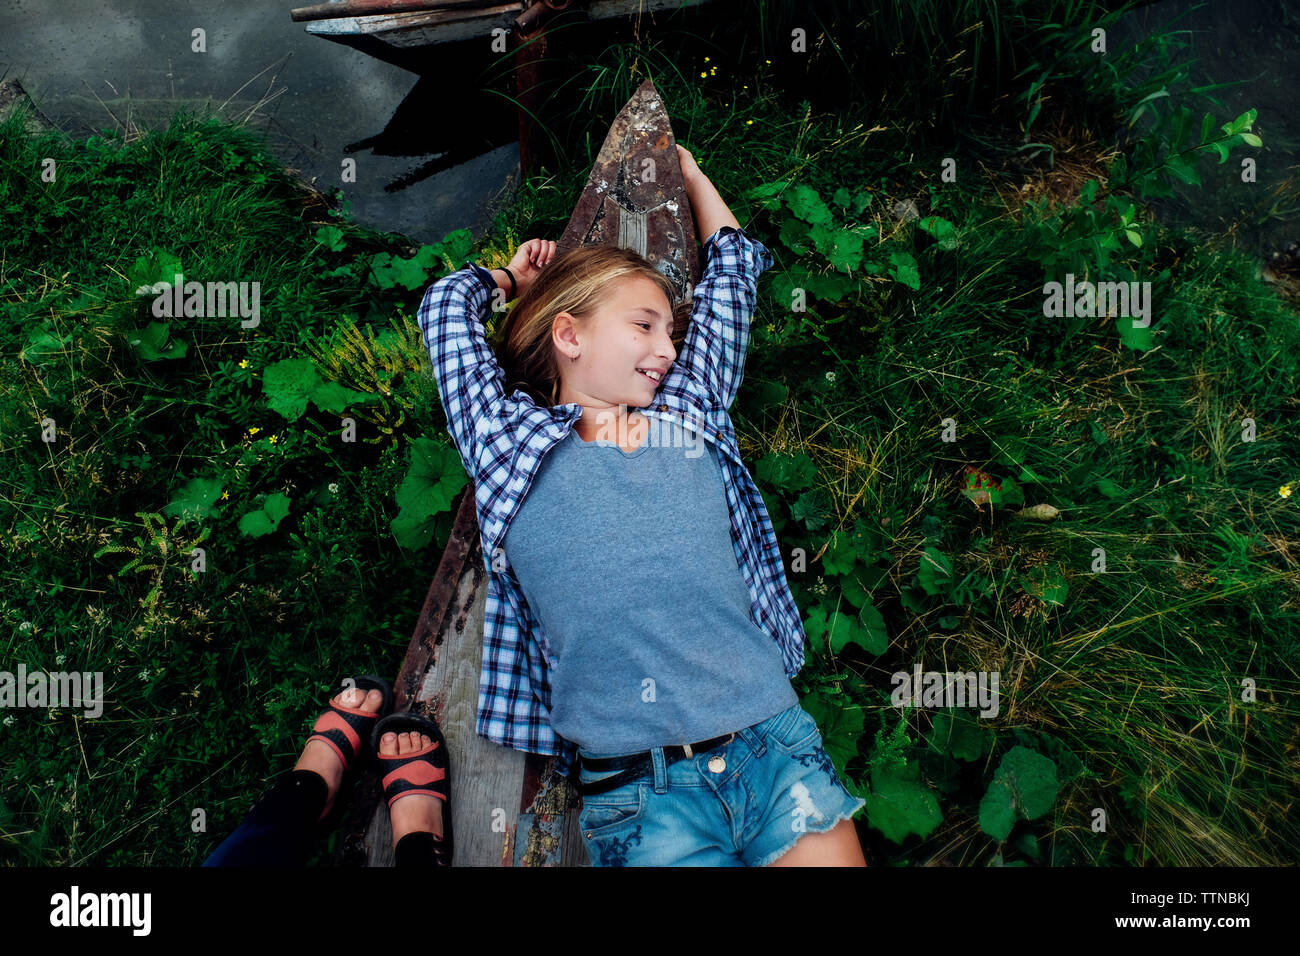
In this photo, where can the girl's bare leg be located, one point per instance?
(838, 846)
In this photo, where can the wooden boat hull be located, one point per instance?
(403, 39)
(511, 808)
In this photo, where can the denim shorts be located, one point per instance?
(777, 784)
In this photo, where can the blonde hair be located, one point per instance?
(579, 282)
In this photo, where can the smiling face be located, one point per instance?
(629, 332)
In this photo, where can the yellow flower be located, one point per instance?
(225, 495)
(706, 59)
(244, 364)
(712, 70)
(1285, 490)
(749, 122)
(254, 430)
(745, 87)
(273, 439)
(703, 75)
(767, 61)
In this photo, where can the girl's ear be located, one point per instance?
(564, 334)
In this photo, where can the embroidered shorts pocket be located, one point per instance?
(611, 824)
(603, 811)
(792, 730)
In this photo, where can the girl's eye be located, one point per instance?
(644, 325)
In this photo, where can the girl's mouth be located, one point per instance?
(651, 374)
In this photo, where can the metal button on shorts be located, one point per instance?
(717, 764)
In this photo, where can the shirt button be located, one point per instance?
(663, 408)
(717, 764)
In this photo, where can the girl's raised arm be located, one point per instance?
(470, 380)
(723, 302)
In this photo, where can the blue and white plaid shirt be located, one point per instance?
(502, 440)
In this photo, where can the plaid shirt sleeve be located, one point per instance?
(470, 381)
(713, 352)
(514, 688)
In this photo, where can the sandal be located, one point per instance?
(426, 771)
(347, 730)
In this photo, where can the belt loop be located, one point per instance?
(754, 741)
(660, 768)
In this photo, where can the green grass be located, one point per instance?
(1127, 682)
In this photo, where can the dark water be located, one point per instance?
(322, 101)
(432, 150)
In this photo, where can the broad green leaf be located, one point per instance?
(903, 269)
(196, 499)
(266, 519)
(791, 472)
(998, 809)
(154, 342)
(901, 805)
(333, 397)
(959, 733)
(873, 623)
(1110, 489)
(1135, 337)
(794, 234)
(407, 273)
(771, 394)
(845, 630)
(1025, 786)
(1046, 584)
(156, 265)
(768, 195)
(456, 246)
(288, 384)
(42, 346)
(841, 554)
(811, 508)
(841, 247)
(1183, 168)
(805, 203)
(434, 478)
(331, 237)
(830, 287)
(942, 230)
(935, 573)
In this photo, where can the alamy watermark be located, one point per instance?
(25, 688)
(176, 300)
(658, 433)
(946, 689)
(1093, 299)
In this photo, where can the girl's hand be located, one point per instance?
(690, 168)
(529, 260)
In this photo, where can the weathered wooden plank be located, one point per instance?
(366, 8)
(398, 37)
(635, 197)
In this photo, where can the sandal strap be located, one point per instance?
(427, 776)
(344, 729)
